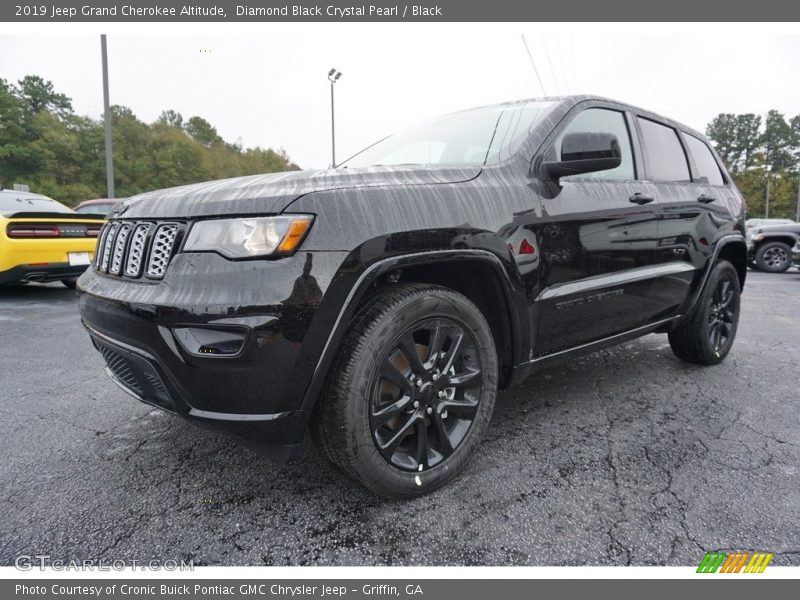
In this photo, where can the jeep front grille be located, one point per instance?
(131, 249)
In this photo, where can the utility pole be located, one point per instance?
(798, 198)
(333, 77)
(107, 120)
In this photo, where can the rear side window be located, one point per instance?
(663, 153)
(603, 120)
(707, 168)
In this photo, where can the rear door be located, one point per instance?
(598, 239)
(684, 228)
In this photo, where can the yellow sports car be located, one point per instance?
(43, 240)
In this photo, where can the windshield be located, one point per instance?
(11, 202)
(95, 209)
(480, 136)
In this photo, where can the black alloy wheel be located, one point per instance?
(707, 336)
(426, 394)
(411, 391)
(721, 314)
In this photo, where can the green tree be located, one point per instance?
(202, 131)
(778, 142)
(761, 157)
(39, 95)
(61, 154)
(170, 117)
(722, 131)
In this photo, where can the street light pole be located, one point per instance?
(797, 215)
(107, 119)
(766, 210)
(797, 212)
(333, 77)
(769, 180)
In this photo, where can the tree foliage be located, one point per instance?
(44, 144)
(759, 153)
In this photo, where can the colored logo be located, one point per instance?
(735, 562)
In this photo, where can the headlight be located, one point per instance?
(249, 237)
(757, 237)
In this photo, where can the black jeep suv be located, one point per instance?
(384, 302)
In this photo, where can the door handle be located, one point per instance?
(639, 198)
(705, 199)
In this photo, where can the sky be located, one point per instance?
(266, 85)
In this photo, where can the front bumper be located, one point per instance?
(279, 310)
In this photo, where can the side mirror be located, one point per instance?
(585, 152)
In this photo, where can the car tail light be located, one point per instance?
(93, 230)
(32, 231)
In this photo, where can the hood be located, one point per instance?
(272, 193)
(792, 228)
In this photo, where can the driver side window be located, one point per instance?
(602, 120)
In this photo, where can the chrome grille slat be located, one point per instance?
(109, 241)
(161, 250)
(133, 266)
(101, 242)
(119, 249)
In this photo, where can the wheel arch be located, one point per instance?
(479, 281)
(736, 254)
(786, 238)
(425, 267)
(732, 248)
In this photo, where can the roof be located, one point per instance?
(576, 99)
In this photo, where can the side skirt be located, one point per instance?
(527, 368)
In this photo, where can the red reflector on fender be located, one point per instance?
(526, 248)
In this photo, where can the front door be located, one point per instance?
(599, 245)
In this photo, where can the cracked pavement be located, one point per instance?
(625, 456)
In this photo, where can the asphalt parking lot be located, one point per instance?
(626, 456)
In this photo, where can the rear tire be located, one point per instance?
(410, 392)
(707, 337)
(71, 283)
(774, 257)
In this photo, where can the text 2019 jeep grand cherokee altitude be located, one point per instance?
(384, 302)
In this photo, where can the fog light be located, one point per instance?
(211, 341)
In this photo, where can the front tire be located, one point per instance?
(410, 392)
(707, 337)
(774, 257)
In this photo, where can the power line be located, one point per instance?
(550, 62)
(533, 64)
(572, 60)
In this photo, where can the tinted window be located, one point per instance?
(707, 168)
(663, 152)
(95, 209)
(602, 120)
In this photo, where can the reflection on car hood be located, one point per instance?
(272, 193)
